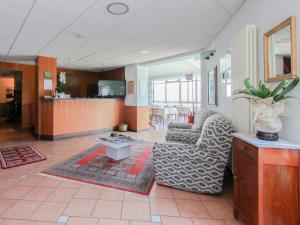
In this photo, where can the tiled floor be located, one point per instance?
(27, 198)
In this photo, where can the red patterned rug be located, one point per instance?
(134, 174)
(19, 155)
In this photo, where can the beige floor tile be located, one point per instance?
(5, 204)
(136, 211)
(111, 194)
(82, 221)
(61, 195)
(16, 192)
(219, 210)
(49, 211)
(46, 223)
(8, 182)
(165, 220)
(179, 194)
(17, 222)
(159, 191)
(69, 184)
(38, 193)
(108, 209)
(143, 223)
(88, 192)
(192, 208)
(234, 222)
(3, 190)
(208, 222)
(31, 181)
(21, 210)
(225, 196)
(80, 207)
(132, 197)
(50, 182)
(113, 222)
(166, 207)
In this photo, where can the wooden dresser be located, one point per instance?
(266, 181)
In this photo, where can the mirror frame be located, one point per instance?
(292, 22)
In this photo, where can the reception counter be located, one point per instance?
(64, 118)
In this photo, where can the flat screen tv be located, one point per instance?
(112, 88)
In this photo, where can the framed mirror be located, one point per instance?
(280, 48)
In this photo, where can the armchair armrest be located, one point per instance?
(180, 126)
(182, 137)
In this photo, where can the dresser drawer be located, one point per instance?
(245, 150)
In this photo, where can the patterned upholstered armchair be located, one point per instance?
(196, 167)
(186, 132)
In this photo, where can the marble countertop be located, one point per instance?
(251, 139)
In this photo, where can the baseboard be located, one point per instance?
(72, 135)
(139, 130)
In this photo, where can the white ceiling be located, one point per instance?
(83, 35)
(174, 68)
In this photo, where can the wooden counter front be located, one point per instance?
(74, 117)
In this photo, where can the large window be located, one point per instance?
(172, 89)
(159, 91)
(180, 91)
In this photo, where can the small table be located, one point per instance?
(118, 147)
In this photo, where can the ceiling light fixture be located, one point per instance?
(117, 8)
(144, 52)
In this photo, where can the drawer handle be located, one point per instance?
(235, 177)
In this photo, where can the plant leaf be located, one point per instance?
(287, 89)
(278, 88)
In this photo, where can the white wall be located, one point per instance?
(265, 14)
(131, 75)
(138, 74)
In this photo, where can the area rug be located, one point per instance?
(19, 155)
(134, 174)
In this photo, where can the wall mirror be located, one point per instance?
(280, 48)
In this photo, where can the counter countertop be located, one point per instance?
(77, 99)
(251, 139)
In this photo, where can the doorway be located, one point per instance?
(10, 99)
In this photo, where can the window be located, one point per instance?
(159, 91)
(173, 91)
(180, 91)
(184, 92)
(225, 71)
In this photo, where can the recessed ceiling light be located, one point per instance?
(144, 52)
(117, 8)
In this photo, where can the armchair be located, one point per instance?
(186, 132)
(196, 167)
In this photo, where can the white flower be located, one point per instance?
(62, 78)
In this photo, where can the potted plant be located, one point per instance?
(268, 105)
(123, 127)
(62, 80)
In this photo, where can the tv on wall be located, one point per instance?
(112, 88)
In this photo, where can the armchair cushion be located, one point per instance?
(180, 126)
